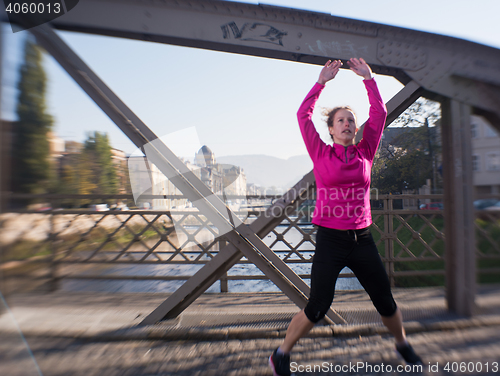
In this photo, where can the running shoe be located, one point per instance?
(408, 354)
(280, 363)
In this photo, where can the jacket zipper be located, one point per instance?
(345, 149)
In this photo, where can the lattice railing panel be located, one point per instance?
(25, 237)
(411, 242)
(293, 239)
(377, 232)
(487, 227)
(418, 237)
(129, 237)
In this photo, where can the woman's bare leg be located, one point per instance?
(395, 325)
(299, 327)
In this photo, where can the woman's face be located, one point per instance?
(344, 127)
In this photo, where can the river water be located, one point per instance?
(291, 236)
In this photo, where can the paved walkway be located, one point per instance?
(233, 334)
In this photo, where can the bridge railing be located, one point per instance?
(169, 246)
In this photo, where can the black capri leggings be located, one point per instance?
(336, 249)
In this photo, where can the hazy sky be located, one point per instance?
(235, 104)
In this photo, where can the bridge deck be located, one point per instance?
(222, 334)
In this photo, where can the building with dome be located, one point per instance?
(222, 179)
(210, 172)
(205, 157)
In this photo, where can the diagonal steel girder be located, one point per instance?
(230, 255)
(237, 233)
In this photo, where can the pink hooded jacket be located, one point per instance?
(343, 173)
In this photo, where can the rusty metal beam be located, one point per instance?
(459, 215)
(230, 255)
(454, 68)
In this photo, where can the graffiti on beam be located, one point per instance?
(258, 32)
(334, 48)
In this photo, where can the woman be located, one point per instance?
(343, 214)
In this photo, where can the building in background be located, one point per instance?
(147, 179)
(67, 158)
(56, 145)
(485, 156)
(222, 179)
(73, 147)
(120, 163)
(235, 182)
(211, 173)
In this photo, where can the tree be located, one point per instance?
(77, 175)
(31, 170)
(97, 150)
(89, 169)
(416, 115)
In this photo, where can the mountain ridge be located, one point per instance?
(269, 171)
